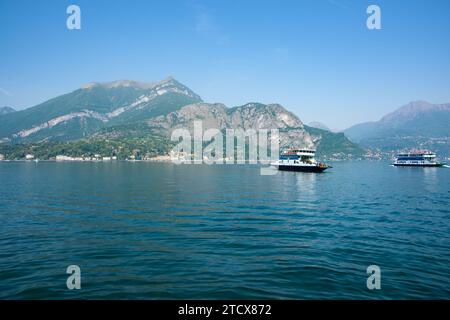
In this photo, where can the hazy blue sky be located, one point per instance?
(316, 58)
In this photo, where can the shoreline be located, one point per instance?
(170, 161)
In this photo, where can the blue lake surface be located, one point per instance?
(164, 231)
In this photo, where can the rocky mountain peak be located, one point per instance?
(168, 83)
(120, 83)
(249, 116)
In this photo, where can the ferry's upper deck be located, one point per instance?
(293, 154)
(416, 155)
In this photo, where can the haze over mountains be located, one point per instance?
(6, 110)
(319, 125)
(419, 124)
(123, 109)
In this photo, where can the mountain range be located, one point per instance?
(419, 124)
(131, 109)
(83, 112)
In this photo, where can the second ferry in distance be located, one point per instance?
(299, 160)
(417, 158)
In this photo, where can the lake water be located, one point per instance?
(158, 230)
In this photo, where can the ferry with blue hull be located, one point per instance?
(417, 159)
(299, 160)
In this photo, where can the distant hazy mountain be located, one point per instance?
(417, 124)
(84, 111)
(318, 125)
(133, 110)
(6, 110)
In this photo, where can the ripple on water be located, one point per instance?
(158, 231)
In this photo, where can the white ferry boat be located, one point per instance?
(417, 159)
(299, 160)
